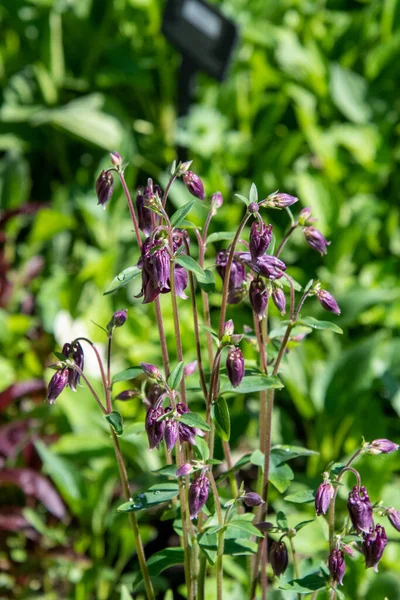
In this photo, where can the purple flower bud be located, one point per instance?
(229, 327)
(258, 296)
(279, 558)
(374, 543)
(283, 200)
(154, 428)
(198, 494)
(279, 299)
(190, 368)
(217, 200)
(235, 366)
(127, 395)
(382, 446)
(260, 239)
(360, 509)
(57, 384)
(184, 470)
(253, 208)
(181, 281)
(118, 319)
(304, 215)
(171, 433)
(252, 499)
(328, 302)
(115, 159)
(151, 371)
(104, 187)
(323, 497)
(347, 549)
(79, 360)
(394, 517)
(337, 566)
(316, 240)
(269, 266)
(193, 184)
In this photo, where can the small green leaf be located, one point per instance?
(60, 356)
(127, 374)
(125, 595)
(315, 324)
(243, 199)
(222, 419)
(283, 453)
(220, 235)
(201, 449)
(157, 494)
(179, 216)
(303, 497)
(253, 383)
(175, 377)
(253, 197)
(122, 279)
(303, 524)
(173, 168)
(194, 420)
(307, 584)
(115, 420)
(281, 520)
(207, 284)
(213, 333)
(191, 265)
(164, 559)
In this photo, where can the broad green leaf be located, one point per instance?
(122, 279)
(60, 356)
(349, 93)
(157, 494)
(207, 284)
(201, 448)
(127, 374)
(296, 284)
(175, 377)
(253, 383)
(164, 559)
(220, 235)
(222, 419)
(179, 216)
(194, 420)
(303, 497)
(280, 475)
(167, 471)
(315, 324)
(244, 526)
(191, 265)
(307, 584)
(115, 420)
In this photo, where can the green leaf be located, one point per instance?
(349, 93)
(222, 420)
(191, 265)
(207, 284)
(307, 584)
(303, 497)
(281, 520)
(179, 216)
(253, 196)
(169, 557)
(175, 377)
(125, 595)
(296, 284)
(220, 235)
(201, 448)
(213, 333)
(280, 475)
(60, 356)
(48, 223)
(244, 526)
(253, 383)
(303, 524)
(243, 199)
(194, 420)
(157, 494)
(122, 279)
(315, 324)
(115, 420)
(127, 374)
(283, 453)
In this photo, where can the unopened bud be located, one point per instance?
(235, 366)
(198, 494)
(184, 470)
(258, 296)
(260, 239)
(279, 558)
(323, 497)
(252, 499)
(118, 319)
(104, 187)
(253, 208)
(382, 446)
(394, 517)
(316, 240)
(190, 368)
(282, 200)
(360, 509)
(115, 159)
(337, 566)
(217, 200)
(279, 299)
(127, 395)
(328, 302)
(193, 184)
(229, 327)
(152, 371)
(56, 385)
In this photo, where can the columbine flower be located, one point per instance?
(79, 360)
(154, 428)
(316, 240)
(282, 200)
(328, 302)
(266, 266)
(57, 384)
(235, 366)
(237, 276)
(151, 371)
(252, 499)
(323, 497)
(193, 184)
(360, 509)
(382, 446)
(279, 558)
(260, 239)
(374, 543)
(279, 299)
(104, 187)
(145, 196)
(337, 566)
(258, 296)
(171, 433)
(394, 517)
(116, 159)
(198, 493)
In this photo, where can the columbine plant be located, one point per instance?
(255, 274)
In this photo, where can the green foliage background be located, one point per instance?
(311, 106)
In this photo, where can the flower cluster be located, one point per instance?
(67, 374)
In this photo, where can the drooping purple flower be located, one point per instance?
(360, 509)
(171, 433)
(56, 384)
(282, 200)
(252, 499)
(181, 281)
(258, 296)
(374, 543)
(337, 566)
(328, 302)
(79, 359)
(323, 497)
(394, 517)
(198, 494)
(104, 187)
(235, 366)
(279, 299)
(144, 197)
(316, 240)
(382, 446)
(154, 428)
(237, 275)
(260, 239)
(193, 184)
(279, 558)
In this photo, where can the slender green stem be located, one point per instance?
(285, 239)
(202, 576)
(295, 562)
(95, 396)
(132, 518)
(220, 546)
